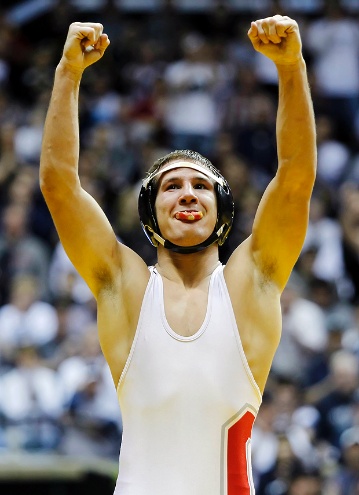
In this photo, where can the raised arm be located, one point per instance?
(281, 221)
(81, 224)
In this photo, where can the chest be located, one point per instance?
(185, 309)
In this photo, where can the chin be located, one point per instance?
(186, 241)
(185, 235)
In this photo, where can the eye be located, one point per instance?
(172, 186)
(201, 185)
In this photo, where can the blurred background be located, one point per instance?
(178, 74)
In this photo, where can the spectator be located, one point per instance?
(333, 40)
(190, 114)
(92, 422)
(8, 160)
(92, 426)
(31, 403)
(64, 280)
(349, 221)
(304, 332)
(337, 323)
(277, 480)
(306, 483)
(324, 239)
(28, 137)
(346, 480)
(264, 439)
(333, 155)
(337, 406)
(88, 361)
(21, 253)
(25, 320)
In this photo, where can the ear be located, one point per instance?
(147, 211)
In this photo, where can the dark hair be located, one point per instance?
(147, 199)
(185, 155)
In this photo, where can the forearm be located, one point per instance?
(60, 146)
(296, 136)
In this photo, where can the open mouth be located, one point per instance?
(189, 215)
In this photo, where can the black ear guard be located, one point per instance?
(225, 213)
(146, 210)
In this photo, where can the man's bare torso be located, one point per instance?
(256, 307)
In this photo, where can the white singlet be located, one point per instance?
(188, 403)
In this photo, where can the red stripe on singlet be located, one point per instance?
(237, 474)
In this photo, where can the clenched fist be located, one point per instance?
(85, 44)
(277, 38)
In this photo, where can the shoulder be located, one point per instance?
(126, 272)
(242, 270)
(254, 296)
(122, 292)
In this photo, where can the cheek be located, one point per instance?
(214, 209)
(160, 211)
(159, 206)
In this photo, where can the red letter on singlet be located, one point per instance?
(239, 476)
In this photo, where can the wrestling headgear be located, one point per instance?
(147, 198)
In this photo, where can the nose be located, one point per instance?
(188, 195)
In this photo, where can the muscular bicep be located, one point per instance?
(280, 226)
(85, 234)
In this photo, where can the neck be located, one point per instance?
(188, 269)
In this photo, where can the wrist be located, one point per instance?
(292, 66)
(72, 72)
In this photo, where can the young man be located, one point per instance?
(189, 342)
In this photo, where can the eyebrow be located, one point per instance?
(202, 178)
(179, 164)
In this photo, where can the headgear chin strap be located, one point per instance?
(225, 208)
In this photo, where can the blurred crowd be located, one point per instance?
(173, 79)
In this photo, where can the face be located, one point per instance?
(306, 486)
(186, 206)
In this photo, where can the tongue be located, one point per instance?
(189, 215)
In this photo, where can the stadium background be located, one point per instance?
(178, 74)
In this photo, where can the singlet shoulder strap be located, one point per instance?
(144, 307)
